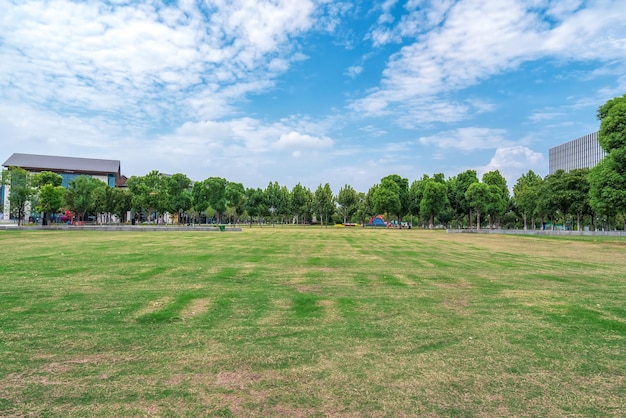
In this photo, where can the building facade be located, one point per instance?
(583, 152)
(67, 167)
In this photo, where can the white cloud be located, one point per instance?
(297, 140)
(102, 57)
(467, 139)
(478, 39)
(354, 70)
(514, 161)
(540, 117)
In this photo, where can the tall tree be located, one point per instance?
(500, 197)
(576, 184)
(301, 201)
(403, 195)
(179, 197)
(526, 192)
(347, 199)
(434, 200)
(607, 181)
(79, 197)
(50, 193)
(553, 200)
(416, 193)
(323, 203)
(103, 204)
(122, 203)
(255, 204)
(458, 186)
(236, 198)
(387, 197)
(275, 200)
(478, 198)
(150, 193)
(365, 209)
(21, 191)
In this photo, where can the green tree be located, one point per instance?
(347, 199)
(403, 196)
(323, 203)
(499, 196)
(607, 181)
(606, 188)
(386, 197)
(255, 204)
(301, 200)
(79, 197)
(47, 177)
(103, 201)
(553, 200)
(211, 193)
(416, 193)
(457, 187)
(51, 194)
(285, 208)
(365, 209)
(20, 190)
(478, 198)
(178, 188)
(526, 192)
(576, 184)
(434, 200)
(50, 200)
(122, 203)
(150, 193)
(275, 199)
(236, 198)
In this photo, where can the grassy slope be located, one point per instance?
(299, 322)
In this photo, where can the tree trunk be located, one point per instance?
(470, 219)
(478, 220)
(431, 221)
(525, 222)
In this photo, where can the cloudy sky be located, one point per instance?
(308, 91)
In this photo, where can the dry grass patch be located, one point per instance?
(195, 308)
(154, 306)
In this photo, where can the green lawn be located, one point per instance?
(311, 322)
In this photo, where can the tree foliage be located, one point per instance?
(79, 197)
(607, 181)
(301, 201)
(21, 191)
(526, 193)
(347, 200)
(458, 186)
(478, 196)
(324, 203)
(434, 200)
(50, 193)
(499, 195)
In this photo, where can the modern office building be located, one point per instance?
(583, 152)
(68, 167)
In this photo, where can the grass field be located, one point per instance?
(311, 322)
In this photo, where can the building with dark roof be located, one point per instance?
(67, 167)
(583, 152)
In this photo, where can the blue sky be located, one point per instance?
(309, 91)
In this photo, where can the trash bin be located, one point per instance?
(222, 228)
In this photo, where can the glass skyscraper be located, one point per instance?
(584, 152)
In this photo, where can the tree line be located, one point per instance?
(576, 198)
